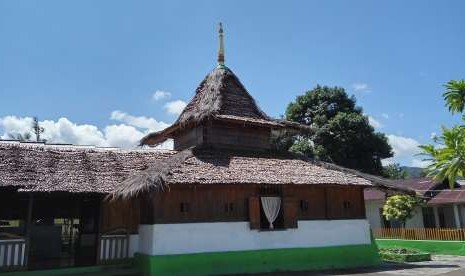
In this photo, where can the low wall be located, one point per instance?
(232, 247)
(430, 246)
(133, 245)
(260, 261)
(187, 238)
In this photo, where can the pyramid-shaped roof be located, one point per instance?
(220, 96)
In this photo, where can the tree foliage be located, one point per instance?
(20, 137)
(342, 133)
(400, 208)
(455, 96)
(447, 153)
(394, 171)
(36, 129)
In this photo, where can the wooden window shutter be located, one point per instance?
(290, 210)
(254, 212)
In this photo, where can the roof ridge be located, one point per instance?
(73, 147)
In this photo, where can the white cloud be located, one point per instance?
(387, 161)
(139, 122)
(175, 107)
(403, 146)
(124, 135)
(361, 87)
(385, 115)
(374, 123)
(420, 163)
(65, 131)
(159, 95)
(15, 125)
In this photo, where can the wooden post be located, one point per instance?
(290, 212)
(456, 216)
(326, 203)
(254, 212)
(436, 216)
(28, 229)
(362, 199)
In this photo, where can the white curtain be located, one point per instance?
(271, 206)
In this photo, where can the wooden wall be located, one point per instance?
(188, 203)
(120, 214)
(209, 203)
(188, 138)
(224, 135)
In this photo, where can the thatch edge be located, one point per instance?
(152, 178)
(378, 181)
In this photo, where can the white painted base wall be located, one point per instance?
(183, 238)
(133, 245)
(372, 210)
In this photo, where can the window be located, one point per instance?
(229, 207)
(346, 205)
(428, 217)
(304, 205)
(184, 207)
(277, 224)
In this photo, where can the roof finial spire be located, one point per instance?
(221, 49)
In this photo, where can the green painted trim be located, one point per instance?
(293, 259)
(433, 247)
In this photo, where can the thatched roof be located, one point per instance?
(413, 186)
(47, 168)
(80, 169)
(221, 96)
(206, 167)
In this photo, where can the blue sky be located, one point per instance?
(97, 64)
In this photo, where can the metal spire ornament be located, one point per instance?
(221, 48)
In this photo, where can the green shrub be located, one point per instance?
(403, 255)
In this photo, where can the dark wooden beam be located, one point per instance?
(28, 228)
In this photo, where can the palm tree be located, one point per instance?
(455, 96)
(447, 156)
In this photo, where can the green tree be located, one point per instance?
(455, 96)
(394, 171)
(342, 133)
(400, 208)
(20, 137)
(447, 153)
(36, 128)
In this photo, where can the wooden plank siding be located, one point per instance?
(344, 203)
(224, 135)
(189, 138)
(120, 214)
(215, 203)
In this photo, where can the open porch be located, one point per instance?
(58, 230)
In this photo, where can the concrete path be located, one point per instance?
(440, 265)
